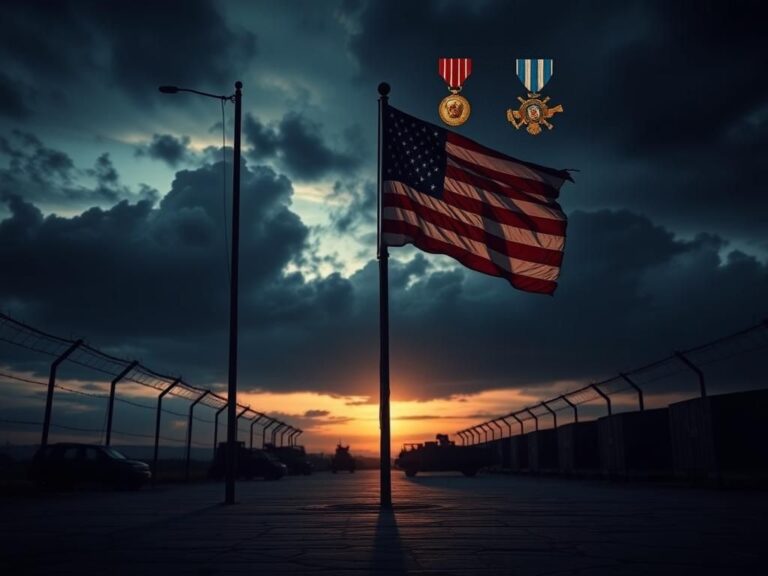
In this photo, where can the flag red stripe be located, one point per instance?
(500, 201)
(465, 142)
(496, 243)
(521, 220)
(521, 235)
(523, 184)
(473, 179)
(417, 238)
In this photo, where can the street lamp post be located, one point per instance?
(229, 493)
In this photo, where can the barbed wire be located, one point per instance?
(724, 348)
(83, 354)
(101, 396)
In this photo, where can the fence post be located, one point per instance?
(637, 388)
(501, 430)
(111, 405)
(253, 423)
(274, 432)
(604, 396)
(283, 433)
(572, 405)
(554, 415)
(216, 428)
(157, 425)
(522, 426)
(509, 426)
(237, 422)
(51, 385)
(697, 370)
(189, 433)
(264, 431)
(535, 418)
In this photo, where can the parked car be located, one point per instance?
(294, 457)
(342, 460)
(68, 464)
(440, 456)
(253, 463)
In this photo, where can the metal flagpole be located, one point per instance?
(383, 257)
(231, 467)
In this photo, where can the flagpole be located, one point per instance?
(383, 256)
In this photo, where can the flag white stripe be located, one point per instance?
(505, 202)
(532, 196)
(513, 265)
(505, 166)
(505, 231)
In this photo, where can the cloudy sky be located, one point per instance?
(114, 203)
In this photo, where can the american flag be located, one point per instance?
(447, 194)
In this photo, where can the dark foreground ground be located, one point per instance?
(489, 525)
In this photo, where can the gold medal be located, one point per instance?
(454, 110)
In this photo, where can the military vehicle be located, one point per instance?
(250, 463)
(294, 457)
(442, 455)
(342, 460)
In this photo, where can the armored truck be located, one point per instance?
(442, 455)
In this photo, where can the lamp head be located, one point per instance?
(168, 89)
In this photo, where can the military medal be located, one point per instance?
(454, 109)
(535, 111)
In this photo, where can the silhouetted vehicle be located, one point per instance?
(294, 457)
(250, 464)
(66, 465)
(442, 455)
(342, 460)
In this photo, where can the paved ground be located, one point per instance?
(489, 525)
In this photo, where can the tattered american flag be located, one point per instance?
(447, 194)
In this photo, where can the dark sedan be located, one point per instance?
(67, 465)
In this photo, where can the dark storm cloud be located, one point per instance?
(165, 267)
(149, 280)
(356, 205)
(666, 110)
(13, 99)
(298, 142)
(134, 45)
(456, 332)
(30, 158)
(49, 178)
(183, 44)
(453, 332)
(166, 147)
